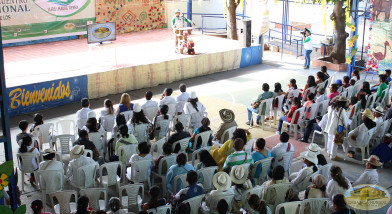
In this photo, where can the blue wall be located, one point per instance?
(251, 56)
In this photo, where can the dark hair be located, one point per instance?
(100, 212)
(178, 127)
(278, 173)
(139, 117)
(167, 148)
(114, 204)
(182, 208)
(311, 81)
(168, 91)
(334, 87)
(339, 104)
(37, 206)
(191, 177)
(321, 160)
(311, 96)
(142, 212)
(362, 98)
(265, 87)
(321, 76)
(155, 192)
(354, 100)
(83, 133)
(294, 83)
(205, 122)
(284, 137)
(238, 144)
(297, 102)
(257, 204)
(92, 124)
(388, 72)
(338, 200)
(336, 174)
(366, 87)
(346, 79)
(352, 82)
(181, 159)
(194, 103)
(324, 69)
(240, 133)
(109, 104)
(120, 120)
(143, 147)
(260, 143)
(82, 205)
(182, 87)
(148, 95)
(23, 124)
(356, 72)
(222, 206)
(278, 87)
(206, 158)
(124, 131)
(369, 123)
(314, 166)
(25, 143)
(49, 156)
(164, 110)
(38, 119)
(383, 77)
(85, 102)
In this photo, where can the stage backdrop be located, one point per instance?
(25, 20)
(131, 15)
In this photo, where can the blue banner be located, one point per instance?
(34, 97)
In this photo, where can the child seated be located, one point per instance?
(23, 126)
(257, 206)
(156, 200)
(194, 189)
(144, 154)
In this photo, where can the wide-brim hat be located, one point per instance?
(310, 156)
(373, 160)
(221, 181)
(238, 174)
(48, 152)
(341, 99)
(193, 95)
(368, 113)
(379, 110)
(226, 115)
(314, 148)
(77, 151)
(137, 108)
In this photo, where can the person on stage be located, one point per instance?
(178, 22)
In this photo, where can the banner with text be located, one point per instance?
(25, 20)
(38, 96)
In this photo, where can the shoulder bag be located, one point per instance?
(340, 132)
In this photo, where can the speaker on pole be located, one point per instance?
(245, 34)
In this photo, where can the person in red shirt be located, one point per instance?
(289, 114)
(334, 91)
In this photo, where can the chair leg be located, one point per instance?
(262, 120)
(22, 181)
(363, 154)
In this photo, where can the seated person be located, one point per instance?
(156, 199)
(183, 97)
(82, 113)
(78, 160)
(320, 95)
(162, 115)
(149, 103)
(370, 175)
(194, 189)
(297, 178)
(277, 176)
(238, 157)
(260, 153)
(205, 159)
(166, 97)
(125, 104)
(340, 206)
(254, 107)
(318, 188)
(346, 82)
(179, 168)
(257, 205)
(116, 207)
(382, 86)
(179, 135)
(355, 75)
(126, 139)
(320, 77)
(222, 184)
(227, 116)
(84, 141)
(289, 114)
(352, 82)
(144, 154)
(314, 125)
(241, 183)
(223, 207)
(205, 123)
(384, 149)
(192, 106)
(24, 127)
(333, 91)
(309, 84)
(49, 162)
(282, 147)
(167, 151)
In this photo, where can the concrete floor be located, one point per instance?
(232, 89)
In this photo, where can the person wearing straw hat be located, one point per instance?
(78, 160)
(378, 112)
(370, 175)
(227, 116)
(297, 178)
(49, 163)
(314, 148)
(239, 177)
(193, 106)
(360, 135)
(222, 184)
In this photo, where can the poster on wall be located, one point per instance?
(131, 15)
(26, 20)
(260, 17)
(43, 95)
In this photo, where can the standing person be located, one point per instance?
(227, 116)
(178, 22)
(125, 104)
(254, 107)
(308, 46)
(182, 98)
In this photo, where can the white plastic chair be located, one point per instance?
(349, 92)
(228, 197)
(286, 162)
(183, 144)
(207, 173)
(64, 206)
(306, 92)
(111, 178)
(291, 95)
(300, 114)
(265, 166)
(86, 176)
(371, 100)
(194, 203)
(94, 195)
(172, 109)
(141, 132)
(151, 112)
(45, 132)
(167, 209)
(258, 190)
(80, 123)
(164, 129)
(140, 172)
(88, 153)
(91, 114)
(66, 127)
(331, 79)
(49, 181)
(325, 137)
(108, 122)
(25, 163)
(229, 133)
(364, 148)
(316, 205)
(306, 182)
(65, 141)
(167, 161)
(204, 137)
(157, 147)
(280, 190)
(181, 178)
(248, 146)
(124, 155)
(99, 141)
(288, 207)
(127, 114)
(325, 171)
(196, 120)
(133, 197)
(180, 106)
(279, 108)
(268, 106)
(185, 119)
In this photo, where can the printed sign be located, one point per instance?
(101, 32)
(367, 197)
(38, 96)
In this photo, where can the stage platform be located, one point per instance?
(133, 61)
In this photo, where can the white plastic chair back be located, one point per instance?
(180, 106)
(387, 127)
(323, 107)
(316, 205)
(257, 190)
(91, 114)
(167, 209)
(98, 139)
(134, 195)
(167, 162)
(294, 124)
(204, 137)
(370, 100)
(157, 147)
(172, 109)
(111, 178)
(306, 93)
(214, 202)
(64, 206)
(286, 162)
(181, 180)
(351, 111)
(164, 128)
(127, 114)
(207, 173)
(50, 180)
(86, 176)
(280, 190)
(288, 207)
(350, 92)
(248, 146)
(142, 174)
(227, 134)
(194, 203)
(268, 105)
(65, 141)
(185, 119)
(291, 95)
(313, 108)
(196, 120)
(265, 166)
(331, 79)
(151, 112)
(80, 123)
(358, 86)
(306, 182)
(280, 105)
(325, 171)
(183, 144)
(66, 127)
(94, 195)
(108, 122)
(25, 161)
(88, 153)
(141, 132)
(46, 133)
(126, 151)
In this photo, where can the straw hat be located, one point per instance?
(310, 156)
(373, 160)
(379, 110)
(226, 115)
(221, 181)
(48, 152)
(137, 108)
(314, 148)
(341, 99)
(77, 151)
(368, 114)
(193, 95)
(238, 174)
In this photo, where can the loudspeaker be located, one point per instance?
(245, 34)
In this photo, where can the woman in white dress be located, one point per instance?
(193, 106)
(337, 185)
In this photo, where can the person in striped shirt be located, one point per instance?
(238, 157)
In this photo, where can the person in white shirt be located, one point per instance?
(82, 114)
(282, 147)
(222, 184)
(298, 178)
(320, 95)
(192, 106)
(28, 146)
(166, 98)
(149, 103)
(370, 175)
(337, 185)
(144, 154)
(182, 98)
(78, 161)
(50, 164)
(378, 114)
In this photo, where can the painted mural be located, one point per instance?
(131, 15)
(380, 39)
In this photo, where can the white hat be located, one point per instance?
(177, 11)
(221, 181)
(137, 108)
(310, 156)
(193, 95)
(379, 110)
(314, 148)
(238, 174)
(77, 151)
